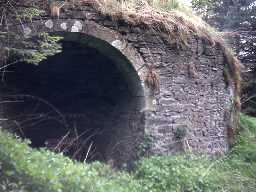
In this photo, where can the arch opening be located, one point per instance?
(85, 102)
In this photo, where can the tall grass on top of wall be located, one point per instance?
(167, 5)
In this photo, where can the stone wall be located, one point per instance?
(196, 101)
(192, 110)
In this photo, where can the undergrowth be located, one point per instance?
(23, 169)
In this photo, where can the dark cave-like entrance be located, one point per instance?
(79, 102)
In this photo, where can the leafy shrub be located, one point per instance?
(195, 173)
(176, 173)
(8, 186)
(44, 171)
(23, 169)
(187, 173)
(244, 153)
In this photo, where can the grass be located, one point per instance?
(23, 169)
(45, 171)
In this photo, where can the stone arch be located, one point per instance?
(111, 45)
(89, 28)
(188, 100)
(93, 29)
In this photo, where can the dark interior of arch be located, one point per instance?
(77, 102)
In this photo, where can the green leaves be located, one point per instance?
(25, 169)
(41, 47)
(29, 13)
(44, 171)
(32, 50)
(205, 4)
(177, 173)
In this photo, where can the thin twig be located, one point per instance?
(7, 65)
(76, 139)
(17, 101)
(45, 102)
(19, 127)
(88, 152)
(60, 142)
(248, 99)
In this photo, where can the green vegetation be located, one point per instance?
(29, 13)
(171, 5)
(29, 47)
(44, 45)
(24, 169)
(44, 171)
(31, 50)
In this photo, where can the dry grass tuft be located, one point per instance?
(178, 24)
(152, 80)
(233, 67)
(3, 56)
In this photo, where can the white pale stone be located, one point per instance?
(231, 92)
(27, 31)
(64, 26)
(117, 44)
(79, 25)
(74, 29)
(49, 24)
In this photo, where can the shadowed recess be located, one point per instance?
(78, 102)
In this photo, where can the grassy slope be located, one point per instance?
(42, 170)
(26, 169)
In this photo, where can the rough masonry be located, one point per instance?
(192, 110)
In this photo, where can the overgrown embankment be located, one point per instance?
(25, 169)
